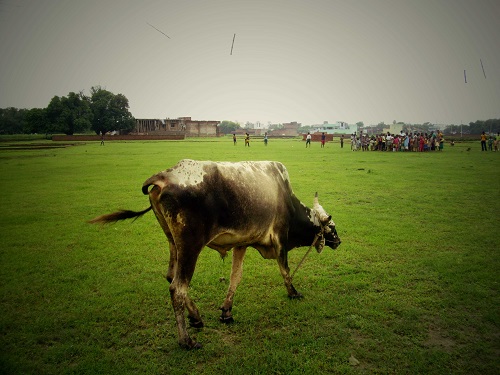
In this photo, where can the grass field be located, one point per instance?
(414, 287)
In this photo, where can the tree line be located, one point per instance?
(101, 112)
(489, 126)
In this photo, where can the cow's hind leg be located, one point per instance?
(180, 300)
(194, 316)
(173, 259)
(236, 275)
(193, 313)
(285, 272)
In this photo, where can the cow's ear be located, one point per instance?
(325, 219)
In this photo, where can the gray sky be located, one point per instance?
(306, 61)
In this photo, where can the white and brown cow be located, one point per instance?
(228, 206)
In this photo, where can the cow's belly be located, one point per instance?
(262, 242)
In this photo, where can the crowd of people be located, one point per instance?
(416, 142)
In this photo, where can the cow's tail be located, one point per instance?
(158, 184)
(119, 215)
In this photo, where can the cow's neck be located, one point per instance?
(302, 229)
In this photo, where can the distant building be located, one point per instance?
(339, 127)
(288, 129)
(179, 126)
(394, 128)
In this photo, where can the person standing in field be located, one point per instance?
(234, 139)
(421, 143)
(395, 143)
(265, 139)
(308, 139)
(415, 142)
(102, 139)
(342, 141)
(323, 139)
(247, 140)
(497, 141)
(483, 142)
(441, 143)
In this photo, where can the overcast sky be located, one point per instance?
(306, 61)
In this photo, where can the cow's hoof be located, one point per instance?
(226, 319)
(195, 323)
(196, 345)
(191, 344)
(296, 296)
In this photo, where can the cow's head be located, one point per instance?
(328, 234)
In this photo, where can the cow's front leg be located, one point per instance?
(236, 275)
(285, 272)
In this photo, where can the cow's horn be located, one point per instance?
(323, 216)
(316, 202)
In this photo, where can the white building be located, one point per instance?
(339, 127)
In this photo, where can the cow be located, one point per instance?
(224, 206)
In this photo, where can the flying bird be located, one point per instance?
(234, 36)
(483, 68)
(158, 30)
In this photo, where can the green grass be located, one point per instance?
(412, 289)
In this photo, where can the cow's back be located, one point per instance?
(223, 197)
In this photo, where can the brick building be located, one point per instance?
(180, 126)
(288, 129)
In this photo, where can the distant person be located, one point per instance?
(247, 140)
(323, 139)
(490, 143)
(102, 139)
(265, 139)
(406, 143)
(353, 142)
(234, 139)
(497, 141)
(342, 141)
(421, 143)
(308, 139)
(395, 143)
(483, 142)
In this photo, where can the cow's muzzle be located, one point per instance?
(332, 239)
(334, 244)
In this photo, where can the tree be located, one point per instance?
(36, 121)
(12, 120)
(77, 114)
(227, 127)
(69, 115)
(304, 129)
(489, 126)
(275, 126)
(110, 111)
